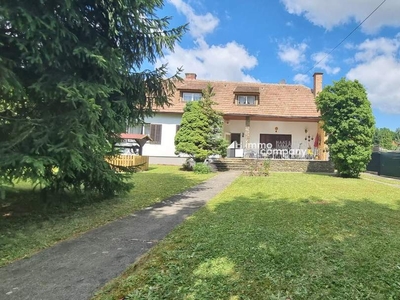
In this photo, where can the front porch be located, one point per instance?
(275, 138)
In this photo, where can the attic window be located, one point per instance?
(246, 100)
(247, 95)
(191, 96)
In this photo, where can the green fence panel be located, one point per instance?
(390, 164)
(375, 164)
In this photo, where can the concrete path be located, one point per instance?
(390, 181)
(75, 269)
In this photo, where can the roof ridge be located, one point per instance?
(244, 82)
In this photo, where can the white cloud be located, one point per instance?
(294, 55)
(199, 25)
(227, 15)
(323, 59)
(222, 62)
(301, 78)
(217, 62)
(349, 46)
(378, 70)
(370, 49)
(329, 14)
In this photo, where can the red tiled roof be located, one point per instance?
(275, 100)
(247, 89)
(192, 85)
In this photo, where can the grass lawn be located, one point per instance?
(287, 236)
(26, 225)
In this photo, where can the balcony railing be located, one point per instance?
(281, 150)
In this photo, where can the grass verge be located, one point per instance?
(287, 236)
(393, 181)
(27, 225)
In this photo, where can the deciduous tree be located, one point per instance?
(349, 123)
(397, 135)
(384, 137)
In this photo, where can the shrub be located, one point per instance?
(200, 168)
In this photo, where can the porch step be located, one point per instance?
(231, 164)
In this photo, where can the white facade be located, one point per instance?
(169, 124)
(295, 129)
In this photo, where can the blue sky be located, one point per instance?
(267, 41)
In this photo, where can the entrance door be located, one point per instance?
(235, 137)
(277, 140)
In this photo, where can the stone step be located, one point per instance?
(231, 164)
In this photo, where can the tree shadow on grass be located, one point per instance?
(258, 247)
(27, 201)
(151, 168)
(27, 224)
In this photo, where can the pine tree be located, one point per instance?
(349, 123)
(70, 80)
(200, 133)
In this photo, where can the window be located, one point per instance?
(155, 132)
(188, 96)
(135, 129)
(278, 141)
(246, 100)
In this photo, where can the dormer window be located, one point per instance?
(247, 95)
(191, 96)
(246, 100)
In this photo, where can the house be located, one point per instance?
(258, 118)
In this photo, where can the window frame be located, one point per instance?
(256, 99)
(152, 130)
(193, 93)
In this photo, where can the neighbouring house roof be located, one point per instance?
(275, 100)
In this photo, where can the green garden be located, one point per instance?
(27, 225)
(286, 236)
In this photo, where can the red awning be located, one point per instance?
(316, 141)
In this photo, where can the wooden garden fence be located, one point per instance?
(130, 160)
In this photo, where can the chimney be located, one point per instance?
(317, 83)
(190, 76)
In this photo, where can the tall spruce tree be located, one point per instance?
(70, 80)
(349, 123)
(200, 133)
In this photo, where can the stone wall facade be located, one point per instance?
(309, 166)
(278, 165)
